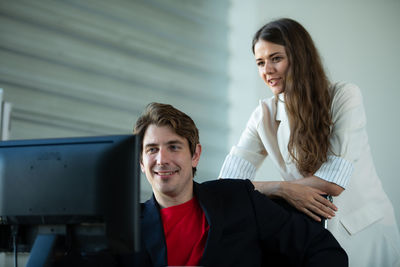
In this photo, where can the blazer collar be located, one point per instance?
(280, 108)
(152, 230)
(211, 205)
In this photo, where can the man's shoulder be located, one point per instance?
(229, 195)
(222, 185)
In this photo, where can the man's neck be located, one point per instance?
(166, 201)
(172, 202)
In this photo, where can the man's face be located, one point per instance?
(167, 163)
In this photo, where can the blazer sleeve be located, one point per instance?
(348, 134)
(244, 158)
(290, 238)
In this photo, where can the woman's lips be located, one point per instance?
(273, 81)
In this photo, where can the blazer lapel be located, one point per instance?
(153, 233)
(283, 132)
(211, 206)
(268, 128)
(283, 136)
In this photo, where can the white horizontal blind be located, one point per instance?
(79, 68)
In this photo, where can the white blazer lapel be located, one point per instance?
(283, 135)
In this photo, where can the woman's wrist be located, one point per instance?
(280, 189)
(270, 188)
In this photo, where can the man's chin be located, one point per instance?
(166, 189)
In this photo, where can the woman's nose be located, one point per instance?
(268, 68)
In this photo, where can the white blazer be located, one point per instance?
(365, 220)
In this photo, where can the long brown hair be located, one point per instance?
(306, 94)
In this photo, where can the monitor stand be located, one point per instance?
(42, 250)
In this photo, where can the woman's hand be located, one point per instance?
(308, 200)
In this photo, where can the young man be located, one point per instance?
(216, 223)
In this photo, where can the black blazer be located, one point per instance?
(246, 229)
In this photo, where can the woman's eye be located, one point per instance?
(260, 63)
(276, 59)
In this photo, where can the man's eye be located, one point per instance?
(174, 147)
(151, 150)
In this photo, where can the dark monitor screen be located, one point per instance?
(74, 184)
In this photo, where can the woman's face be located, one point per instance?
(273, 64)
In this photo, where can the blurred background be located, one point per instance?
(89, 67)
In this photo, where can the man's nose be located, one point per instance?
(162, 157)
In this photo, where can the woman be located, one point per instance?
(315, 133)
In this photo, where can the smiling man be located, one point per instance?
(216, 223)
(167, 166)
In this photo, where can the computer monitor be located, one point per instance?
(84, 188)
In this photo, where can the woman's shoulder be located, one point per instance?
(345, 92)
(346, 89)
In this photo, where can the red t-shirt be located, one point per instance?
(186, 230)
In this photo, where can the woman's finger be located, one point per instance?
(310, 214)
(321, 210)
(326, 202)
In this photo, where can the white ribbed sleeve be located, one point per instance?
(336, 170)
(237, 167)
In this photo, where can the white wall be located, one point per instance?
(358, 41)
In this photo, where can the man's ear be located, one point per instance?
(196, 156)
(141, 165)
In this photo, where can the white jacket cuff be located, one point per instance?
(237, 167)
(336, 170)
